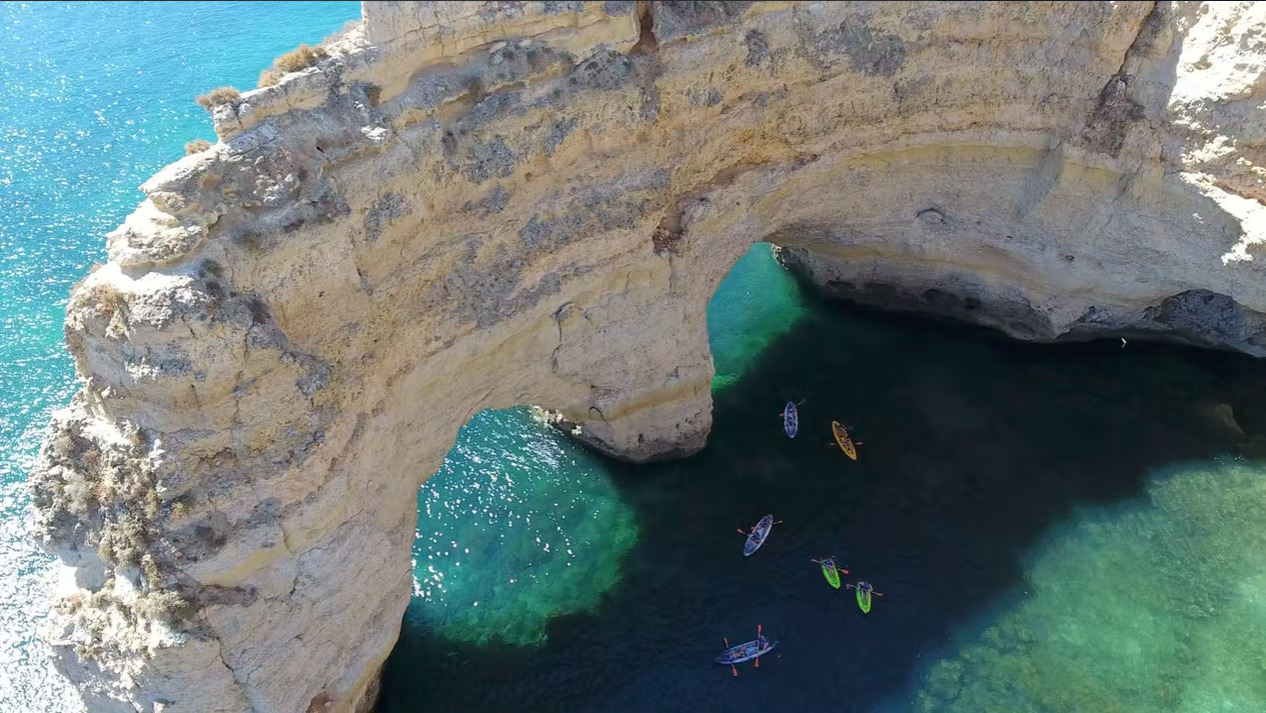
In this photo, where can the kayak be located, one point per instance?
(863, 597)
(790, 420)
(841, 437)
(830, 571)
(758, 535)
(746, 651)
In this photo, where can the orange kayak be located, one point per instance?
(841, 437)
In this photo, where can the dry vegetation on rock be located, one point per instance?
(301, 57)
(218, 96)
(197, 146)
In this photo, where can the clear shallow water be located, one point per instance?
(542, 532)
(754, 305)
(94, 98)
(1158, 604)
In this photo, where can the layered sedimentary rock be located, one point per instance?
(474, 205)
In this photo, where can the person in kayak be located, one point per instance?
(831, 562)
(865, 587)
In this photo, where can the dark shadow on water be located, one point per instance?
(973, 447)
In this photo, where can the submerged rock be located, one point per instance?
(475, 205)
(1154, 605)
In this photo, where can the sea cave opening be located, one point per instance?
(1073, 525)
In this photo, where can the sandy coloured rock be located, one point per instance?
(473, 205)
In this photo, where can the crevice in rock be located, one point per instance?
(646, 42)
(559, 315)
(1117, 108)
(241, 685)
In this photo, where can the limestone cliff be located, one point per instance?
(473, 205)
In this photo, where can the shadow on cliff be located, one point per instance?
(973, 448)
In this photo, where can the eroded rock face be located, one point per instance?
(479, 204)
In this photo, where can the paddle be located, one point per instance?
(854, 586)
(783, 413)
(856, 443)
(756, 661)
(727, 648)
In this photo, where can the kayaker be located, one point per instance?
(865, 587)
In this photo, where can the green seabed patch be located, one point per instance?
(1152, 606)
(518, 526)
(756, 303)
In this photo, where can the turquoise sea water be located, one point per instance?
(1054, 528)
(94, 98)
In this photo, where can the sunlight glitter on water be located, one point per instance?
(484, 579)
(82, 124)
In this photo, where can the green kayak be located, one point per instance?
(831, 571)
(864, 591)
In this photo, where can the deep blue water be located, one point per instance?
(1053, 528)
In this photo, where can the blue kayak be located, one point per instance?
(746, 651)
(758, 534)
(790, 420)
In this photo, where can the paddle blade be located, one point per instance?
(878, 594)
(758, 631)
(735, 670)
(756, 663)
(844, 571)
(727, 641)
(741, 532)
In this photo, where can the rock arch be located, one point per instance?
(473, 205)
